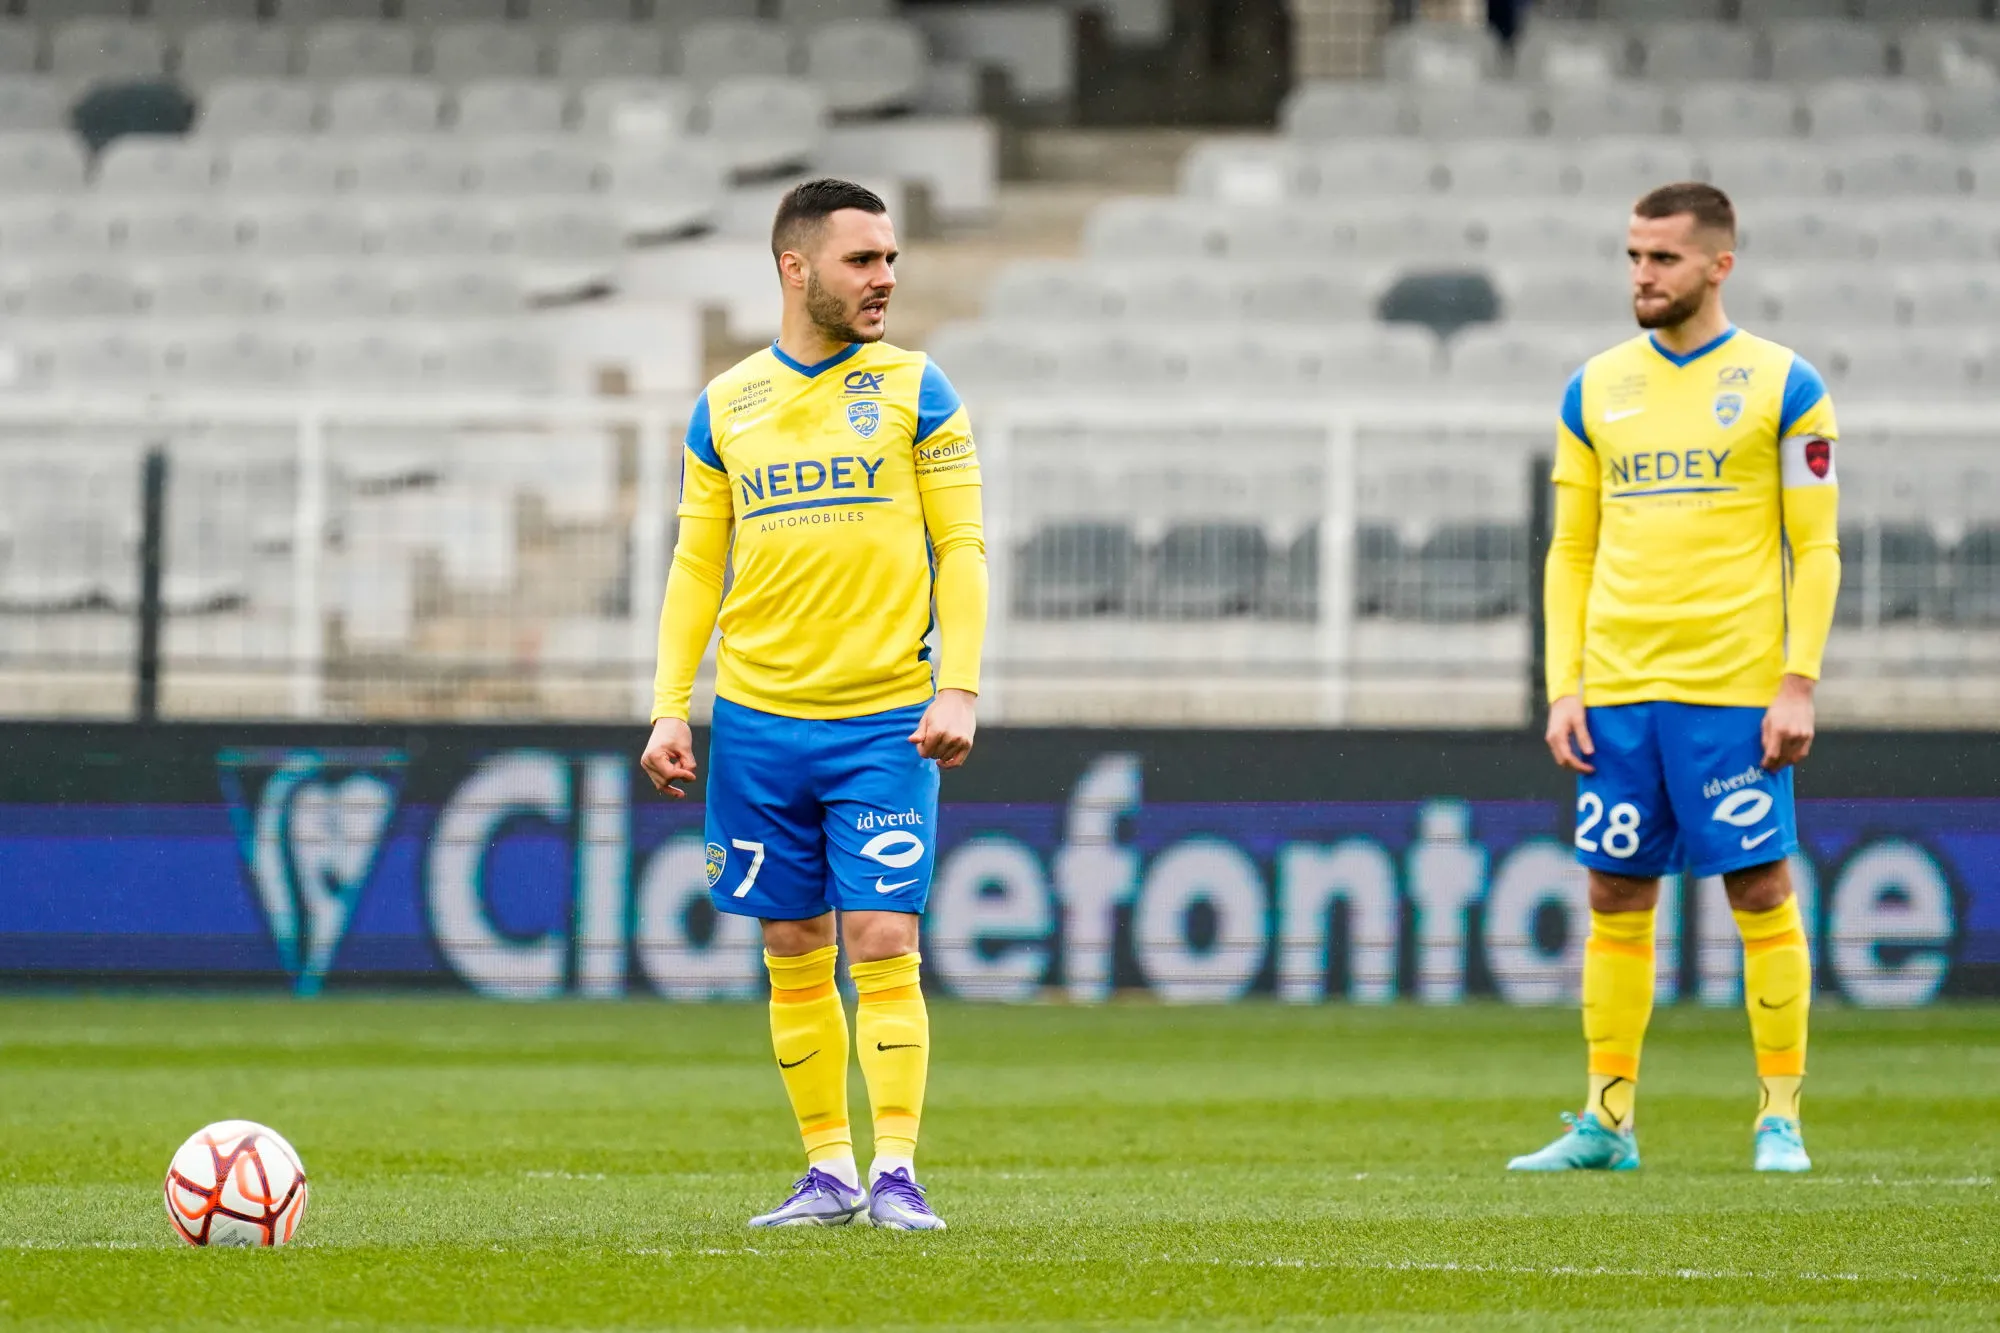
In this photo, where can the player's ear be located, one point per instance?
(1723, 265)
(792, 268)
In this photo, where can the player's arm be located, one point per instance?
(692, 602)
(1810, 504)
(1566, 583)
(947, 466)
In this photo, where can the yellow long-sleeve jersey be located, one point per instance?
(843, 496)
(1681, 482)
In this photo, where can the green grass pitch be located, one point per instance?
(581, 1166)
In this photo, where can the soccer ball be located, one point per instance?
(236, 1183)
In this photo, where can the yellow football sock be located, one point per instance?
(1617, 1005)
(1777, 990)
(893, 1030)
(809, 1033)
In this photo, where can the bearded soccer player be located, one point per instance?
(835, 476)
(1683, 647)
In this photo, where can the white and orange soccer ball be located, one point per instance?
(236, 1182)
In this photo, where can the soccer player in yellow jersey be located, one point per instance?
(1690, 590)
(835, 476)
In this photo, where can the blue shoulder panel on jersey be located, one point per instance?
(1572, 409)
(937, 401)
(810, 371)
(1803, 390)
(1698, 353)
(701, 435)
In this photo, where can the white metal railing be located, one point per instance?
(1310, 485)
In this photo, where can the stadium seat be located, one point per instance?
(1940, 235)
(1327, 233)
(1893, 170)
(108, 360)
(216, 52)
(20, 50)
(990, 357)
(1266, 171)
(40, 163)
(566, 249)
(1975, 576)
(503, 107)
(1696, 52)
(1857, 298)
(1565, 294)
(258, 107)
(1770, 169)
(1624, 169)
(285, 166)
(431, 13)
(334, 291)
(1984, 165)
(735, 48)
(368, 362)
(1069, 570)
(87, 51)
(536, 168)
(1067, 291)
(867, 66)
(1473, 111)
(1514, 361)
(672, 189)
(1341, 110)
(1791, 11)
(568, 13)
(32, 104)
(1946, 53)
(1528, 234)
(1128, 360)
(1583, 111)
(31, 229)
(1307, 296)
(1811, 51)
(287, 230)
(1151, 299)
(1521, 168)
(766, 124)
(1893, 365)
(1440, 53)
(1728, 112)
(1909, 566)
(188, 229)
(343, 50)
(1953, 298)
(1776, 235)
(246, 359)
(1415, 233)
(1968, 112)
(217, 291)
(1572, 55)
(460, 292)
(1360, 168)
(78, 293)
(386, 106)
(467, 52)
(304, 12)
(611, 51)
(1857, 108)
(1664, 11)
(1291, 584)
(825, 11)
(1202, 571)
(185, 16)
(110, 111)
(1442, 301)
(497, 363)
(47, 12)
(394, 167)
(434, 230)
(1464, 571)
(637, 109)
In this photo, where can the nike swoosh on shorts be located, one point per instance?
(1749, 843)
(880, 887)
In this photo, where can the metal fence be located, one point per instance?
(1216, 563)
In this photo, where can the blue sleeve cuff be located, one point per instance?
(700, 437)
(1572, 409)
(1803, 391)
(937, 401)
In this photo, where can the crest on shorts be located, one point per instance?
(717, 858)
(1728, 407)
(864, 416)
(1819, 456)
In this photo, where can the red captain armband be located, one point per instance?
(1806, 460)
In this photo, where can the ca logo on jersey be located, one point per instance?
(1728, 407)
(865, 417)
(717, 857)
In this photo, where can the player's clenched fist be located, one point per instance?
(669, 756)
(1788, 724)
(1568, 735)
(945, 731)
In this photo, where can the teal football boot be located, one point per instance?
(1588, 1146)
(1780, 1146)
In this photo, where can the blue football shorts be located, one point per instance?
(809, 815)
(1681, 785)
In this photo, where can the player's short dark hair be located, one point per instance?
(1709, 206)
(806, 207)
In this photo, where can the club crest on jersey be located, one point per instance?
(718, 857)
(865, 417)
(1819, 456)
(1728, 407)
